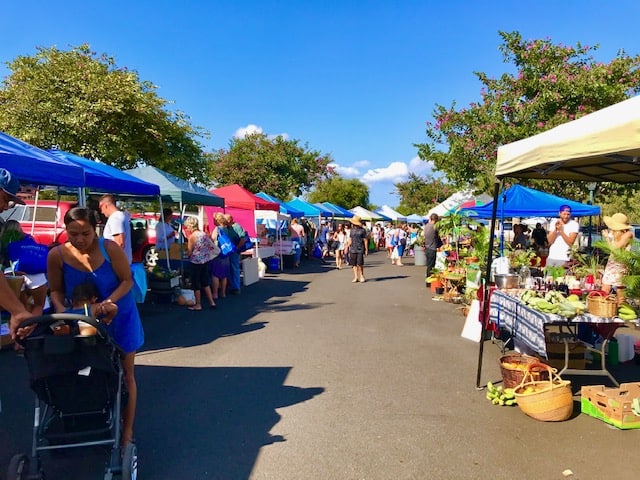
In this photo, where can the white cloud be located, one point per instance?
(248, 130)
(395, 172)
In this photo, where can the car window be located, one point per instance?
(24, 213)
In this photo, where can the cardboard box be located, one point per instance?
(612, 405)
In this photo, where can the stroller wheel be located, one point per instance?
(130, 462)
(18, 467)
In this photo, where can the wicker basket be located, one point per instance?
(602, 305)
(552, 400)
(512, 375)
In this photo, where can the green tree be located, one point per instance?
(346, 193)
(420, 194)
(552, 84)
(280, 167)
(84, 103)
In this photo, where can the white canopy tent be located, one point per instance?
(603, 146)
(391, 213)
(367, 215)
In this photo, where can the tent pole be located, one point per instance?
(486, 288)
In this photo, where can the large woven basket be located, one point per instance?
(552, 400)
(602, 305)
(513, 366)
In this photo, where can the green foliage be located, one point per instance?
(553, 84)
(84, 103)
(419, 194)
(280, 167)
(346, 193)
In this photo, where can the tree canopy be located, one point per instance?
(419, 194)
(84, 103)
(346, 193)
(552, 84)
(278, 166)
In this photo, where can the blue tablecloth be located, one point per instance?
(527, 325)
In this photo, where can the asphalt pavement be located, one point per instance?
(306, 375)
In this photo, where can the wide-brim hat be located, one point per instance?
(617, 221)
(356, 220)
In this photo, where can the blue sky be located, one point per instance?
(356, 79)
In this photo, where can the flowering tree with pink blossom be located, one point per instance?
(552, 84)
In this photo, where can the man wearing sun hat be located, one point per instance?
(618, 235)
(9, 187)
(562, 235)
(358, 247)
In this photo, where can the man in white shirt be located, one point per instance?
(118, 226)
(165, 233)
(562, 235)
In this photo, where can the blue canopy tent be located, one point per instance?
(308, 209)
(105, 178)
(33, 165)
(341, 212)
(520, 201)
(284, 206)
(414, 218)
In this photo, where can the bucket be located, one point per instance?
(274, 263)
(419, 257)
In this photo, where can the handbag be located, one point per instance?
(248, 244)
(226, 247)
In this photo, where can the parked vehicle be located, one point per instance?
(46, 224)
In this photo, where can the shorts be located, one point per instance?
(200, 276)
(356, 259)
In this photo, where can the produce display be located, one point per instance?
(626, 312)
(554, 302)
(500, 396)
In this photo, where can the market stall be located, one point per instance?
(526, 326)
(603, 146)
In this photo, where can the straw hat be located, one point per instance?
(617, 221)
(356, 220)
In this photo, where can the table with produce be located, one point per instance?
(526, 313)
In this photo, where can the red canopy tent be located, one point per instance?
(241, 204)
(236, 196)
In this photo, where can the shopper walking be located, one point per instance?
(358, 248)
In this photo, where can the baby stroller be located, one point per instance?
(78, 381)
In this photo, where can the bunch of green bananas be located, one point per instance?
(499, 396)
(626, 312)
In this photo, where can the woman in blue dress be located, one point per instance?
(86, 258)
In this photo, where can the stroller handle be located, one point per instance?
(65, 317)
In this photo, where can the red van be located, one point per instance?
(47, 227)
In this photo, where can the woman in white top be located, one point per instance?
(340, 236)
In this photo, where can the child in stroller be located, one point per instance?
(77, 375)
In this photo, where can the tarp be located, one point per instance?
(105, 178)
(284, 206)
(453, 202)
(368, 215)
(521, 201)
(32, 165)
(177, 189)
(235, 196)
(391, 213)
(342, 212)
(603, 146)
(308, 209)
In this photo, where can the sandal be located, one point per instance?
(195, 308)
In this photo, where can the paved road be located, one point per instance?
(308, 376)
